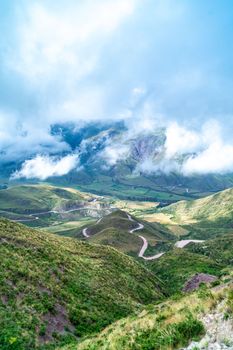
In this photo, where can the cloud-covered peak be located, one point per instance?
(154, 64)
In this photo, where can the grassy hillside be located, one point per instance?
(178, 265)
(216, 209)
(219, 249)
(114, 228)
(167, 326)
(54, 289)
(35, 198)
(213, 256)
(119, 239)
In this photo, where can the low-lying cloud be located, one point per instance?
(43, 167)
(184, 151)
(217, 158)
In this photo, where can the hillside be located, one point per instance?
(54, 289)
(119, 230)
(216, 210)
(56, 209)
(204, 317)
(178, 265)
(27, 199)
(212, 256)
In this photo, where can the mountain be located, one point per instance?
(214, 210)
(55, 290)
(124, 164)
(172, 325)
(45, 206)
(124, 232)
(118, 163)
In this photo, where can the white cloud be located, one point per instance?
(114, 153)
(210, 152)
(180, 140)
(185, 151)
(163, 165)
(42, 167)
(217, 158)
(53, 39)
(22, 139)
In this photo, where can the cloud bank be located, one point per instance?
(152, 63)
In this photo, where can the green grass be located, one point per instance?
(215, 210)
(56, 289)
(166, 326)
(114, 229)
(178, 265)
(121, 240)
(28, 199)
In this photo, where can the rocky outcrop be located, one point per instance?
(194, 282)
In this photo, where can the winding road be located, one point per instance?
(137, 228)
(145, 242)
(35, 216)
(179, 244)
(85, 234)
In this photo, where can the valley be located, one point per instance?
(69, 257)
(116, 175)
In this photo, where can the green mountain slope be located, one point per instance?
(216, 209)
(178, 265)
(27, 199)
(219, 249)
(170, 325)
(114, 230)
(213, 256)
(53, 289)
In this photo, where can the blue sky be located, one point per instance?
(163, 60)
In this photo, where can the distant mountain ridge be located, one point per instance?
(115, 161)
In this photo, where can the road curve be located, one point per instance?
(145, 242)
(85, 234)
(183, 243)
(144, 248)
(84, 231)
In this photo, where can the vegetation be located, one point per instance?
(28, 199)
(169, 325)
(218, 249)
(54, 289)
(178, 265)
(63, 293)
(114, 230)
(214, 210)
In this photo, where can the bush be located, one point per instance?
(169, 336)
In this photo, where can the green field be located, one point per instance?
(133, 189)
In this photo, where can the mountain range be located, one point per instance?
(130, 165)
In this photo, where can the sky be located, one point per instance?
(159, 62)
